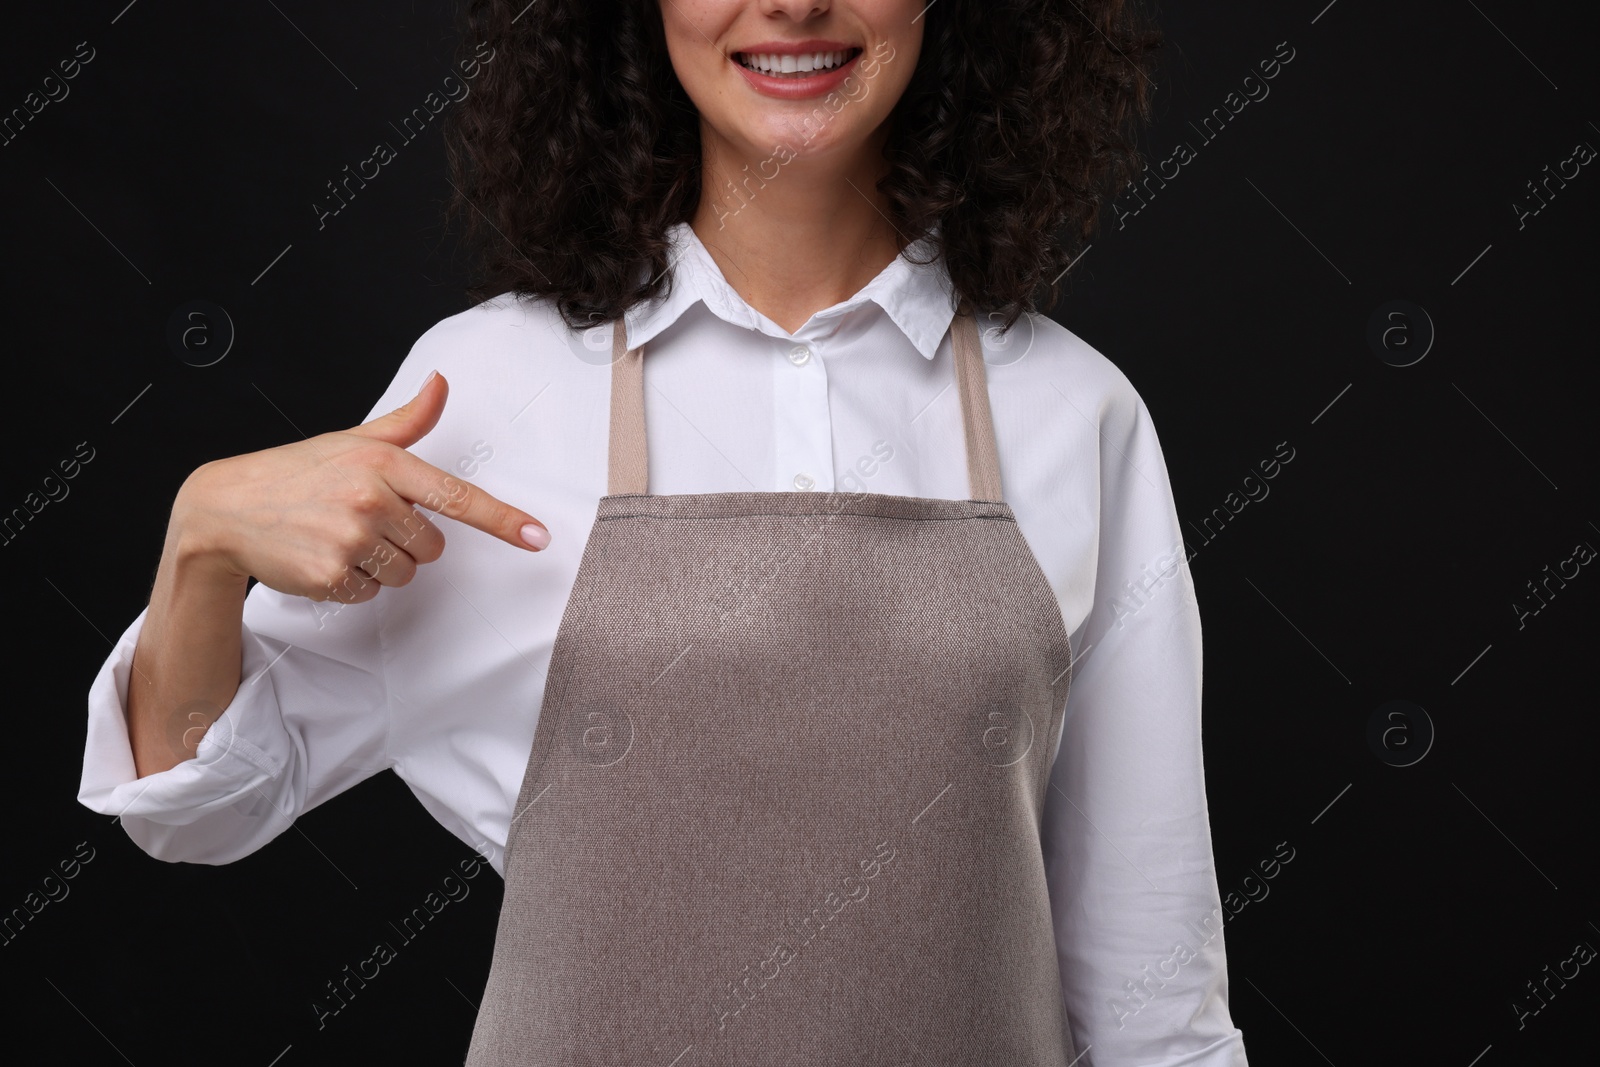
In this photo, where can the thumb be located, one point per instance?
(409, 423)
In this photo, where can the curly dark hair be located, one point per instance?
(577, 147)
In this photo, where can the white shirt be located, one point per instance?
(441, 680)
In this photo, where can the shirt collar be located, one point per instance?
(915, 296)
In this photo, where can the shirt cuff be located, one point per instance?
(221, 796)
(1226, 1051)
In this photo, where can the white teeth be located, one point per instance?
(789, 63)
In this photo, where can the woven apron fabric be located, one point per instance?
(784, 796)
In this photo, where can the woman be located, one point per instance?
(772, 742)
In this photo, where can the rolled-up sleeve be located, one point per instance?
(302, 727)
(1126, 833)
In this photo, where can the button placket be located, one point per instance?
(803, 448)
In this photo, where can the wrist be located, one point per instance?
(194, 543)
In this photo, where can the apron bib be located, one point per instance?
(784, 796)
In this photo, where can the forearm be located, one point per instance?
(186, 665)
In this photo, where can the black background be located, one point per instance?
(1384, 564)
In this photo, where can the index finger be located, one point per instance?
(427, 486)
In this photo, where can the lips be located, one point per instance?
(795, 70)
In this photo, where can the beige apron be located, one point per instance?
(784, 796)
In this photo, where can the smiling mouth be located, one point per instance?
(795, 66)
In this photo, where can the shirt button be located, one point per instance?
(799, 355)
(803, 481)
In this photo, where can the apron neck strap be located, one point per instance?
(629, 467)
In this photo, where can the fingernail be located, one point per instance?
(431, 376)
(536, 536)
